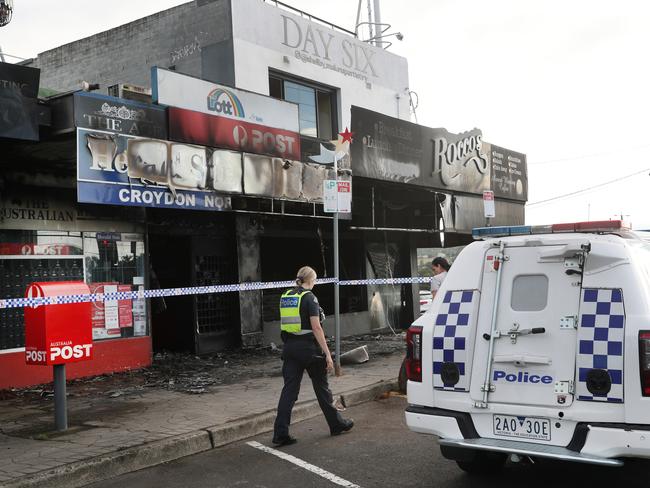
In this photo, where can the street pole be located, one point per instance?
(337, 318)
(60, 402)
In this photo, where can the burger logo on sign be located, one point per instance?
(225, 103)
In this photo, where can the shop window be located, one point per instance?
(316, 105)
(105, 261)
(29, 256)
(115, 263)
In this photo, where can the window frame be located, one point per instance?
(318, 88)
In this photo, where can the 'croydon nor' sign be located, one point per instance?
(121, 170)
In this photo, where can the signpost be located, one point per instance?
(337, 197)
(488, 206)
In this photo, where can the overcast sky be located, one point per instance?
(565, 81)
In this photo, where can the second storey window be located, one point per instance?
(316, 105)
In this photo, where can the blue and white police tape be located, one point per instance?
(386, 281)
(196, 290)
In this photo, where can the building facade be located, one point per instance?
(89, 202)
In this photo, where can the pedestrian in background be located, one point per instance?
(440, 267)
(305, 348)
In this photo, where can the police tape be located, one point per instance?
(195, 290)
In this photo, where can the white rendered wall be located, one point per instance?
(264, 37)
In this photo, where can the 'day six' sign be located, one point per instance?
(58, 334)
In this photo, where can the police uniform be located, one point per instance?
(301, 352)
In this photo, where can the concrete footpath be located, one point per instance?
(110, 436)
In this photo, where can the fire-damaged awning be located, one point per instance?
(390, 149)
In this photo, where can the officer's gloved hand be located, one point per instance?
(321, 314)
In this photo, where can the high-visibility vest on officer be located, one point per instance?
(290, 320)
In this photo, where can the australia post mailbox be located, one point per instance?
(60, 333)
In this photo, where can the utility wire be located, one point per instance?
(585, 156)
(566, 195)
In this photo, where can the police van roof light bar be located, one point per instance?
(515, 230)
(592, 226)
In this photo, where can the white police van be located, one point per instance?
(537, 345)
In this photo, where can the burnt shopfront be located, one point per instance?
(427, 185)
(46, 235)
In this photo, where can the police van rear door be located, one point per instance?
(534, 347)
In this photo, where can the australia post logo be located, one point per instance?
(225, 102)
(59, 353)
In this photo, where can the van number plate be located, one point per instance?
(522, 427)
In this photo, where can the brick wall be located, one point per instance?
(175, 37)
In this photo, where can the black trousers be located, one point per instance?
(300, 354)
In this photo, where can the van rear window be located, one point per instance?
(529, 293)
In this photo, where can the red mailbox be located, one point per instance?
(61, 333)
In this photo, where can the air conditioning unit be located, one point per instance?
(130, 92)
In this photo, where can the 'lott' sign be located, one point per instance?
(182, 91)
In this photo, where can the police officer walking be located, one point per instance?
(305, 348)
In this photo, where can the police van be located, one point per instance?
(537, 346)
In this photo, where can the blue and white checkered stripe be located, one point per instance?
(385, 281)
(601, 341)
(196, 290)
(451, 337)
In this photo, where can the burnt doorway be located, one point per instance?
(216, 315)
(200, 324)
(171, 317)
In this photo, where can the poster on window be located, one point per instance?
(98, 317)
(139, 314)
(124, 308)
(109, 317)
(111, 310)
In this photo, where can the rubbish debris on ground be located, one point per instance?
(195, 375)
(358, 355)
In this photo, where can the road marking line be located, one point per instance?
(304, 464)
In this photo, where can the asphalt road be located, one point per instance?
(379, 452)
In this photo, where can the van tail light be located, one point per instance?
(644, 359)
(414, 353)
